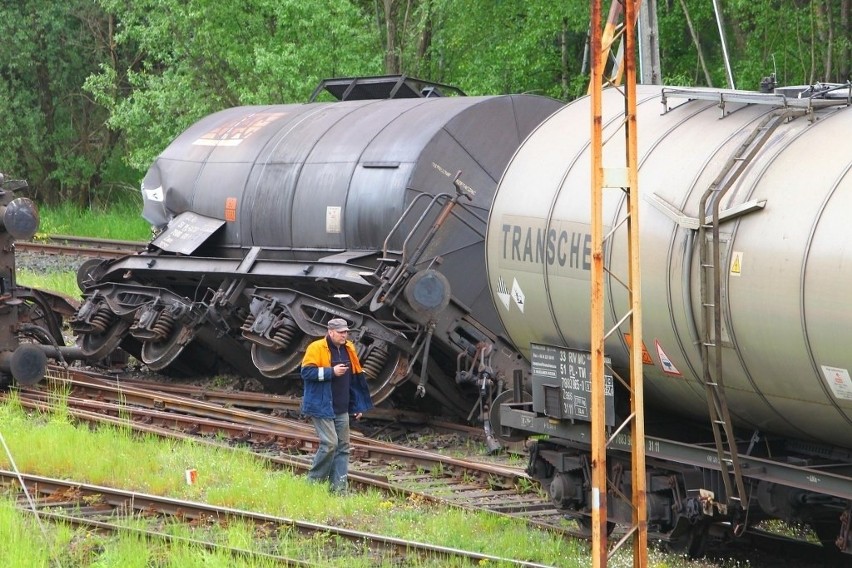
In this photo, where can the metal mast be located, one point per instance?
(625, 178)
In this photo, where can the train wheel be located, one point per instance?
(274, 364)
(160, 354)
(585, 524)
(385, 370)
(96, 346)
(688, 538)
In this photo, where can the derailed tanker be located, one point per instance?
(777, 168)
(277, 218)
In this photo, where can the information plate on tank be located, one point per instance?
(572, 369)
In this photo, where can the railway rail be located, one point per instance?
(286, 442)
(94, 398)
(87, 247)
(105, 508)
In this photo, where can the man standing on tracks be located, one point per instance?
(335, 388)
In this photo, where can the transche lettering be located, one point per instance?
(554, 246)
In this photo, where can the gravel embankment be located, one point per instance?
(46, 263)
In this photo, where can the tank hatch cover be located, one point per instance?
(382, 87)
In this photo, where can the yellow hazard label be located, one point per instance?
(737, 264)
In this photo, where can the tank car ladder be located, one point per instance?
(711, 300)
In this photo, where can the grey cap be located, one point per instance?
(338, 324)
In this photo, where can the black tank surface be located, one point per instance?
(306, 181)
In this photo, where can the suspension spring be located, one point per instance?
(164, 325)
(248, 323)
(284, 335)
(102, 319)
(375, 362)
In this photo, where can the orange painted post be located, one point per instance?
(598, 497)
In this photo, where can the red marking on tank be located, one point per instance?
(231, 209)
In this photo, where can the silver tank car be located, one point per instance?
(276, 218)
(785, 248)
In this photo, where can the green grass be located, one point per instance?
(53, 446)
(24, 545)
(63, 281)
(122, 221)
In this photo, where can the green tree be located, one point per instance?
(507, 46)
(93, 90)
(802, 41)
(199, 56)
(53, 134)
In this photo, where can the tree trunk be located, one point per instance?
(846, 44)
(697, 45)
(563, 40)
(824, 36)
(391, 50)
(425, 44)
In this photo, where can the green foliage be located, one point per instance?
(509, 46)
(52, 133)
(199, 56)
(801, 41)
(122, 220)
(92, 91)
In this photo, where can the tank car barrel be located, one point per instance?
(744, 245)
(781, 309)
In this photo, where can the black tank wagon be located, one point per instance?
(277, 218)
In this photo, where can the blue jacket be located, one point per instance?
(317, 374)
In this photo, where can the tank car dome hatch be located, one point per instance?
(784, 240)
(382, 87)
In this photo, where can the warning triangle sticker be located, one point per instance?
(646, 357)
(665, 362)
(737, 264)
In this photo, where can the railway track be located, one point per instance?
(105, 508)
(87, 247)
(191, 413)
(387, 466)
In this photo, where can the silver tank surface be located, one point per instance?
(305, 181)
(787, 264)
